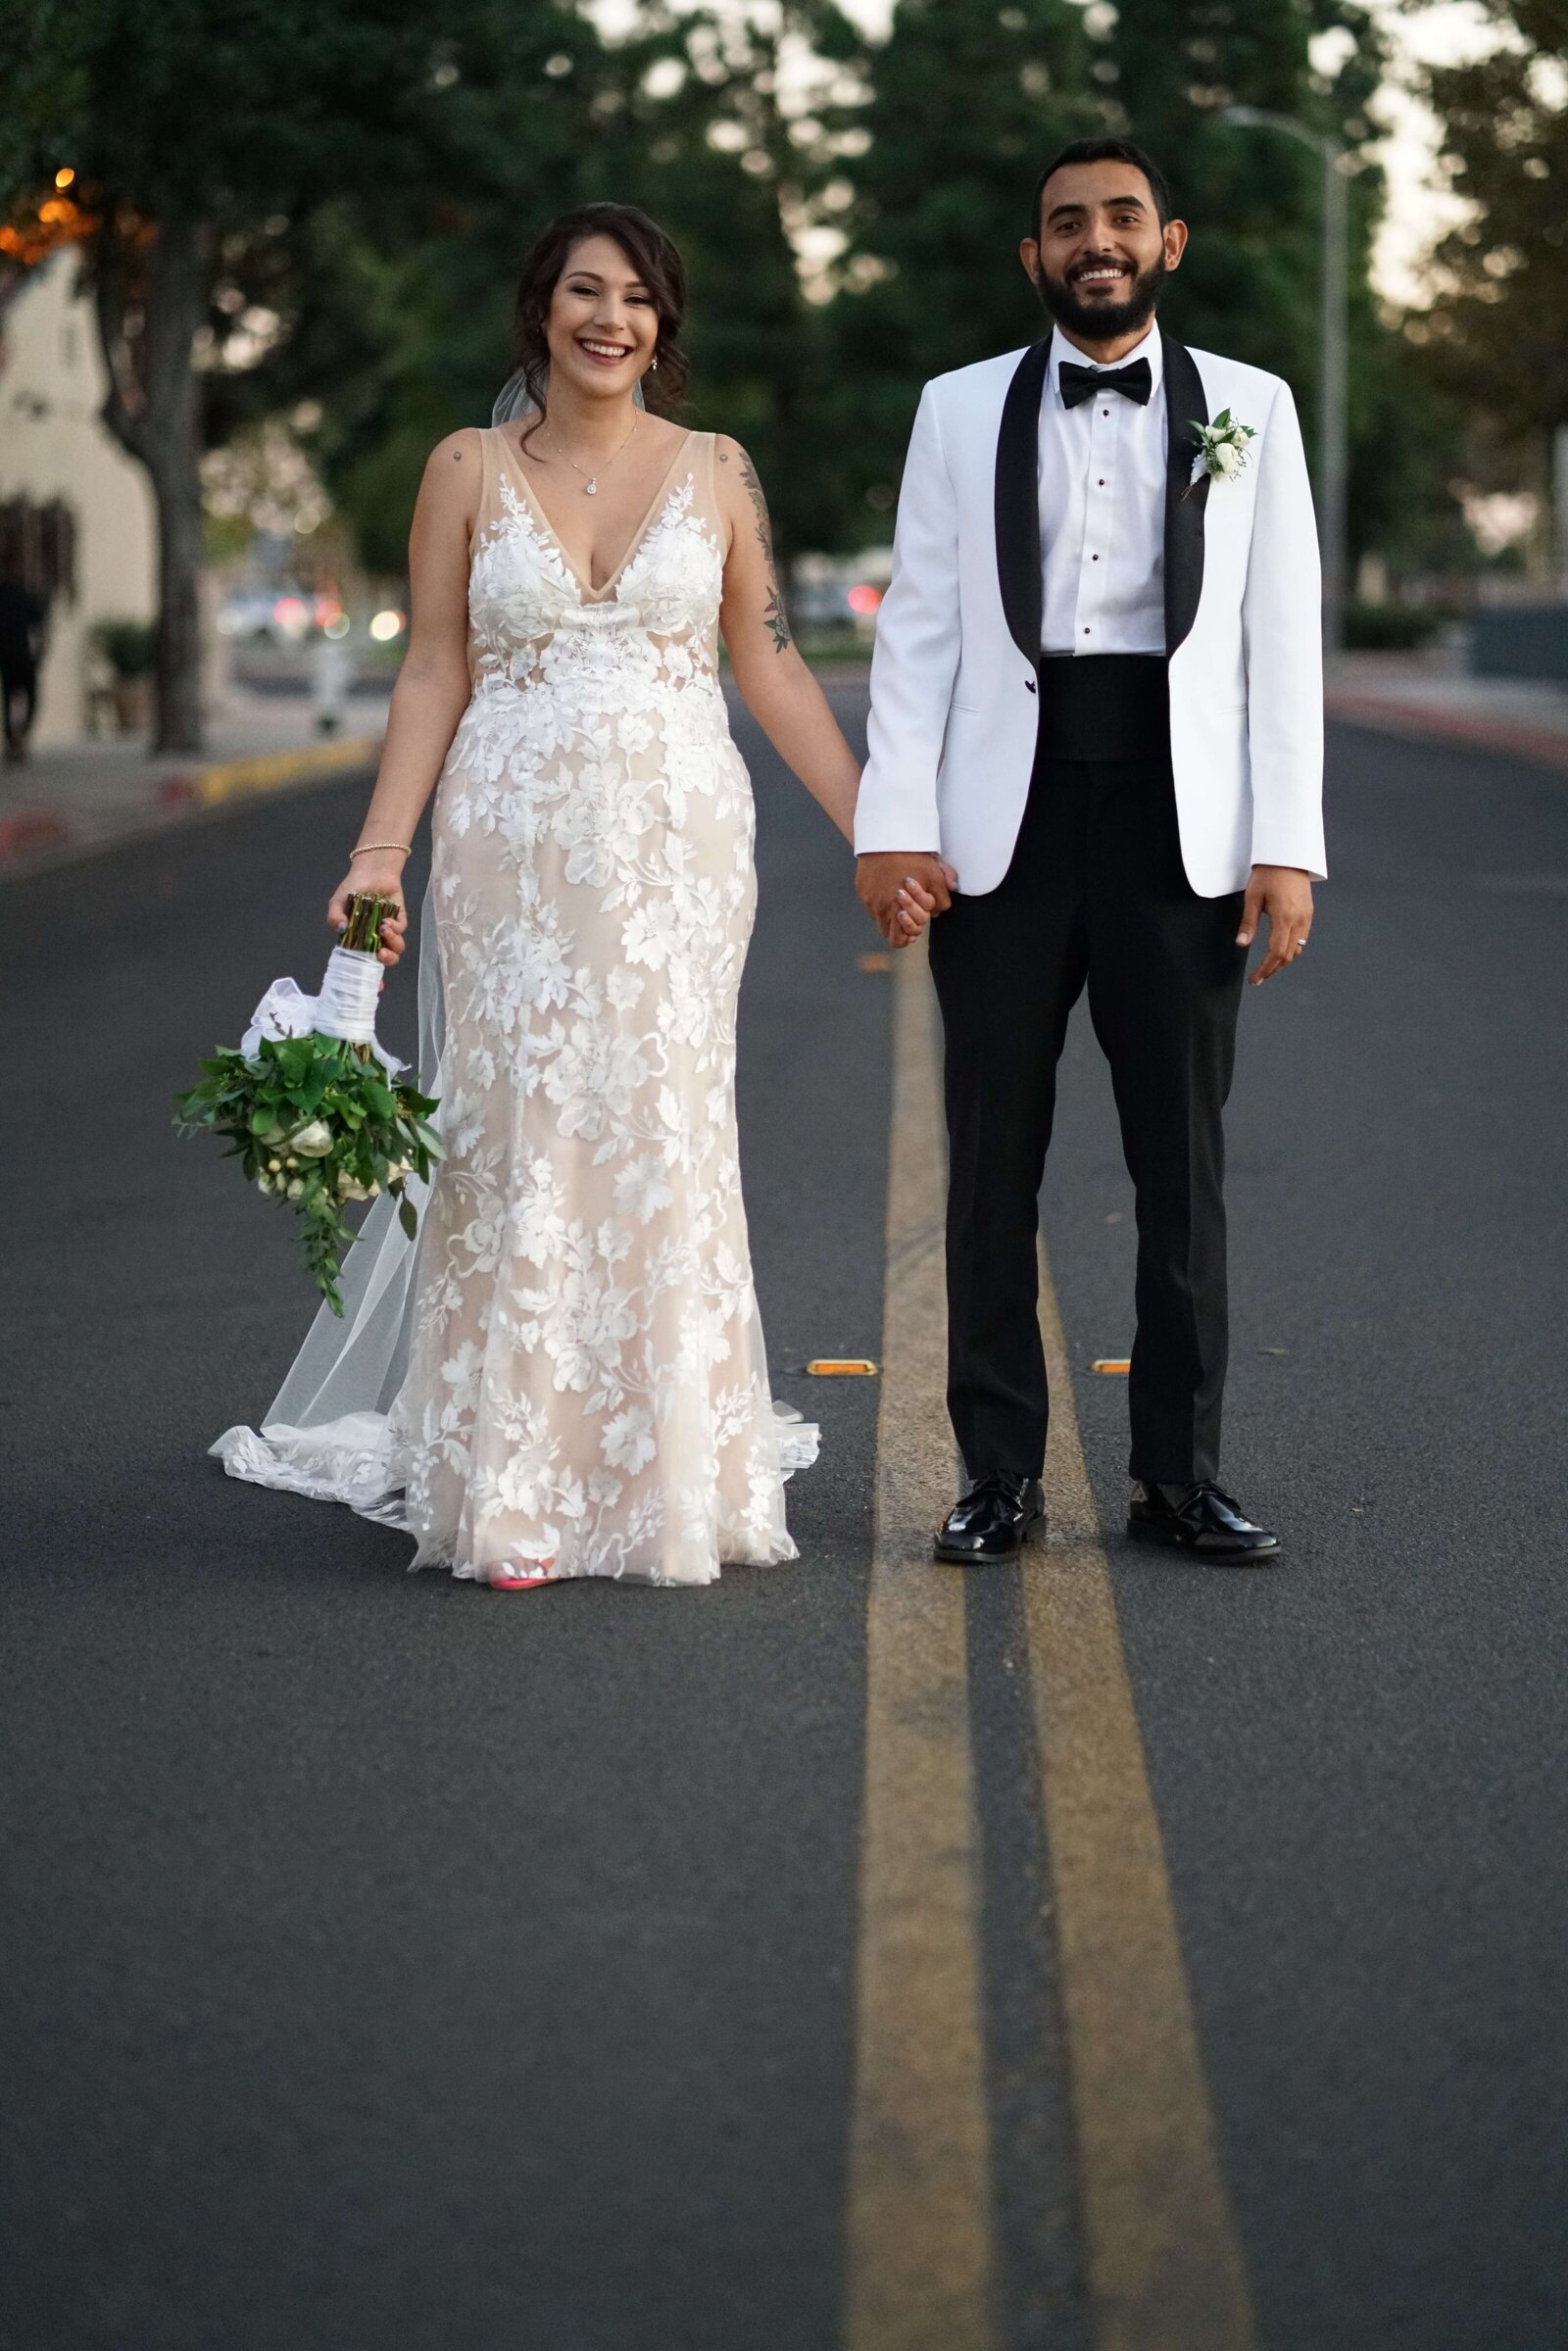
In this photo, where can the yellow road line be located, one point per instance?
(1166, 2272)
(918, 2223)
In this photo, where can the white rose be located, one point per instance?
(296, 1187)
(349, 1189)
(1227, 458)
(312, 1142)
(273, 1134)
(261, 1184)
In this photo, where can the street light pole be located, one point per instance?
(1333, 389)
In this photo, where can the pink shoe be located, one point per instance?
(506, 1578)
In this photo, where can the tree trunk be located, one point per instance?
(154, 409)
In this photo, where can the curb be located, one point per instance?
(232, 777)
(29, 830)
(34, 840)
(1416, 722)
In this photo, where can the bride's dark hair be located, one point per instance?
(656, 262)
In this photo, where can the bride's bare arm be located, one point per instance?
(431, 692)
(775, 684)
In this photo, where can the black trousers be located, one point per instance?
(18, 683)
(1095, 895)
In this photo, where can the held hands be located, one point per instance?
(901, 889)
(378, 875)
(1284, 893)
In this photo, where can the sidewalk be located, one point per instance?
(63, 803)
(1429, 697)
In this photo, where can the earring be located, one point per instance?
(652, 367)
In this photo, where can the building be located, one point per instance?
(73, 506)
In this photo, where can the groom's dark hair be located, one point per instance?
(1107, 151)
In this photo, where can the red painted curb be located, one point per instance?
(1537, 743)
(28, 829)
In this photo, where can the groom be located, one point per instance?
(1096, 696)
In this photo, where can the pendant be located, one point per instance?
(590, 489)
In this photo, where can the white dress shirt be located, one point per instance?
(1102, 510)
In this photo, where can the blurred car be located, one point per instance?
(279, 616)
(838, 595)
(829, 604)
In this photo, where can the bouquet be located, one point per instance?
(314, 1107)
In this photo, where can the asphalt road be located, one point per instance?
(389, 1963)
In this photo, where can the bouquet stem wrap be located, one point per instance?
(346, 1004)
(345, 1008)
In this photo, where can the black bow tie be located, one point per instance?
(1080, 384)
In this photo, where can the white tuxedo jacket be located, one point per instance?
(956, 677)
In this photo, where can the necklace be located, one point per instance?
(590, 481)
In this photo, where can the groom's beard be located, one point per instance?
(1100, 320)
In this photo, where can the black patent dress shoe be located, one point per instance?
(1202, 1519)
(992, 1521)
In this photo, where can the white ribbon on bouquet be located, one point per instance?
(345, 1008)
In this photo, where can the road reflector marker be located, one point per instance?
(842, 1367)
(1112, 1365)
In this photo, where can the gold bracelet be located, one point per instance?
(366, 847)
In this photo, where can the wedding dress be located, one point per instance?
(567, 1365)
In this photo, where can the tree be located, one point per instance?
(969, 102)
(193, 130)
(1250, 281)
(1497, 331)
(733, 157)
(393, 317)
(393, 333)
(964, 103)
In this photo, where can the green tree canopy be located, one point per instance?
(967, 103)
(1498, 331)
(194, 131)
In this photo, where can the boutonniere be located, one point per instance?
(1222, 448)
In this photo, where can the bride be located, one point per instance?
(564, 1376)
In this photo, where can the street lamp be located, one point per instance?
(1335, 326)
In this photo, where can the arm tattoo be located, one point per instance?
(774, 619)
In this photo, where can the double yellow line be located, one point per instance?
(1162, 2259)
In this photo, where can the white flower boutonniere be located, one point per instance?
(1222, 448)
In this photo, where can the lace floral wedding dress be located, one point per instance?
(571, 1368)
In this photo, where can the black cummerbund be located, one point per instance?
(1103, 706)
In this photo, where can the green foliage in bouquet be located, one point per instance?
(316, 1121)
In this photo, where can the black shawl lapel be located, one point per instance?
(1018, 501)
(1185, 499)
